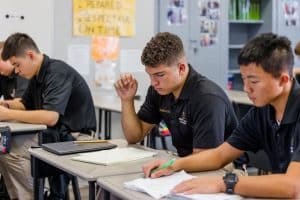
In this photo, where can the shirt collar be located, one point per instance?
(40, 76)
(187, 89)
(292, 108)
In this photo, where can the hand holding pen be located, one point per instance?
(158, 168)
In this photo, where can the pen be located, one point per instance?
(89, 141)
(163, 166)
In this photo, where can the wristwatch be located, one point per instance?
(230, 179)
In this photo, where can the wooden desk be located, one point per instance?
(115, 185)
(109, 104)
(86, 171)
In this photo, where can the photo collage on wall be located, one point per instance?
(209, 12)
(291, 12)
(176, 13)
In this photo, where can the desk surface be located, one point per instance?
(115, 185)
(23, 127)
(90, 172)
(239, 97)
(112, 103)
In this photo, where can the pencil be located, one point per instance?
(90, 141)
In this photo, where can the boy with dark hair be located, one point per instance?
(197, 112)
(11, 85)
(266, 65)
(57, 96)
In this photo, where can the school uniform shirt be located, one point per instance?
(258, 130)
(200, 118)
(58, 87)
(12, 86)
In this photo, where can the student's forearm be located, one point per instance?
(131, 124)
(210, 159)
(271, 186)
(199, 162)
(48, 118)
(15, 104)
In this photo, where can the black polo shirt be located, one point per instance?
(13, 86)
(199, 118)
(258, 130)
(58, 87)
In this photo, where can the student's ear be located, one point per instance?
(30, 54)
(284, 78)
(182, 68)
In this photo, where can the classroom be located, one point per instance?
(149, 99)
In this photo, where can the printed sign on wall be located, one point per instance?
(104, 17)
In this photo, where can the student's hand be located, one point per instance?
(209, 184)
(149, 167)
(4, 104)
(126, 86)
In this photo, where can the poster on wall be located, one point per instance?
(291, 12)
(105, 18)
(209, 14)
(176, 13)
(105, 52)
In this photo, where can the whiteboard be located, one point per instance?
(37, 21)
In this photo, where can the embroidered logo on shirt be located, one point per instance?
(183, 119)
(164, 110)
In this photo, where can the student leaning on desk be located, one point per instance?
(197, 112)
(57, 96)
(266, 64)
(11, 85)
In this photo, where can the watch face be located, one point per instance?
(230, 177)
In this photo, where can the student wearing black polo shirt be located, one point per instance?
(11, 85)
(197, 111)
(56, 96)
(266, 64)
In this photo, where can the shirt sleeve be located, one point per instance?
(21, 86)
(208, 121)
(27, 98)
(149, 111)
(246, 136)
(57, 92)
(296, 154)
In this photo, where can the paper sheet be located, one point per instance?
(161, 187)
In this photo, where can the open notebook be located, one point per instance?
(112, 156)
(161, 187)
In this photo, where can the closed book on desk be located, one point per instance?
(64, 148)
(113, 156)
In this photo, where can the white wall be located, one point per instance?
(37, 21)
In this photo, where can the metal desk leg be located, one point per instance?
(106, 195)
(38, 187)
(100, 123)
(107, 124)
(92, 190)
